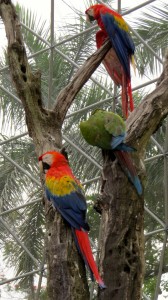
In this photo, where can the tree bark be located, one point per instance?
(122, 237)
(121, 252)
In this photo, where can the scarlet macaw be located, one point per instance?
(66, 194)
(117, 60)
(107, 130)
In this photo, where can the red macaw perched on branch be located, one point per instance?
(66, 194)
(117, 60)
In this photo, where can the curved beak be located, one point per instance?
(89, 16)
(41, 166)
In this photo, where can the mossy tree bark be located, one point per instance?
(121, 249)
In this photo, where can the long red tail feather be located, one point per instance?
(117, 73)
(124, 95)
(131, 102)
(85, 248)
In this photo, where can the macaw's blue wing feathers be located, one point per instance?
(71, 207)
(120, 39)
(117, 140)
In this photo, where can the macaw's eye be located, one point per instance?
(90, 18)
(45, 166)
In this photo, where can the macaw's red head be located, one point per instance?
(93, 12)
(51, 159)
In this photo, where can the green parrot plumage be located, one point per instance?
(107, 130)
(101, 126)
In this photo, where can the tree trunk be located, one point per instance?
(66, 270)
(122, 240)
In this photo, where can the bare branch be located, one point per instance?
(67, 95)
(147, 117)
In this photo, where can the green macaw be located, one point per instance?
(107, 130)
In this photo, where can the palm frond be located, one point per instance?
(152, 26)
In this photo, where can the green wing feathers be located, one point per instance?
(100, 127)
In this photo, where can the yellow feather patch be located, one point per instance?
(133, 64)
(121, 23)
(60, 186)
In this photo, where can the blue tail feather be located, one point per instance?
(121, 146)
(125, 148)
(138, 185)
(126, 164)
(135, 180)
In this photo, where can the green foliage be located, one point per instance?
(43, 294)
(149, 289)
(152, 26)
